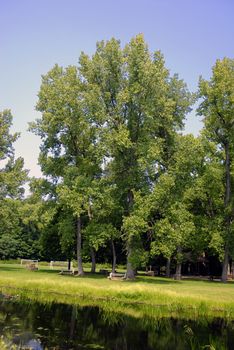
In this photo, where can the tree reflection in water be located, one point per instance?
(59, 326)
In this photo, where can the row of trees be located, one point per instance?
(117, 168)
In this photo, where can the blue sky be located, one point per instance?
(36, 34)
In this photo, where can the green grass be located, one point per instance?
(146, 295)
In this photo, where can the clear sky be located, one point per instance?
(36, 34)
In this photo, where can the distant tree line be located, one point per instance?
(121, 182)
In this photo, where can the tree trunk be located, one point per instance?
(93, 257)
(114, 256)
(92, 251)
(225, 265)
(69, 264)
(168, 267)
(78, 246)
(130, 273)
(178, 271)
(227, 200)
(232, 270)
(229, 268)
(178, 264)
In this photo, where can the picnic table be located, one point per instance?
(116, 276)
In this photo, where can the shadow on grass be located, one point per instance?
(11, 268)
(88, 275)
(208, 281)
(20, 269)
(155, 280)
(162, 280)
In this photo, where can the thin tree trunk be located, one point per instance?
(168, 267)
(232, 270)
(69, 264)
(114, 256)
(92, 251)
(93, 257)
(229, 268)
(225, 265)
(178, 264)
(226, 204)
(130, 273)
(78, 246)
(178, 271)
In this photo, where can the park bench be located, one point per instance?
(116, 276)
(32, 267)
(30, 264)
(28, 261)
(66, 272)
(73, 272)
(63, 264)
(150, 273)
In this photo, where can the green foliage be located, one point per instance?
(12, 179)
(6, 139)
(97, 234)
(217, 107)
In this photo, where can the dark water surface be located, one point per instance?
(31, 325)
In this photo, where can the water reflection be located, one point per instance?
(61, 327)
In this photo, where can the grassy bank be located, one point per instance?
(146, 295)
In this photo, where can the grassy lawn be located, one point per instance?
(145, 295)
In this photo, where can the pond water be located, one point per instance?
(36, 326)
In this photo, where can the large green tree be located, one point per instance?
(115, 115)
(164, 214)
(217, 107)
(12, 179)
(69, 151)
(143, 109)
